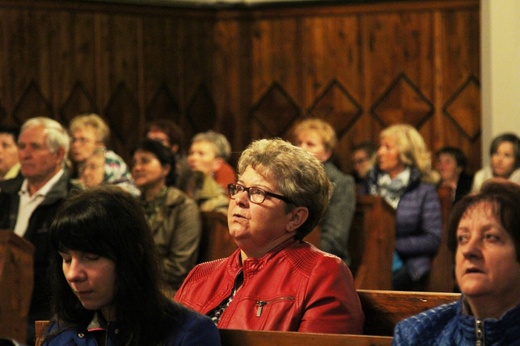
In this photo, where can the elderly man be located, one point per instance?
(9, 165)
(28, 203)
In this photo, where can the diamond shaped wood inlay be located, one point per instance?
(163, 105)
(274, 112)
(463, 108)
(78, 102)
(31, 104)
(201, 111)
(402, 102)
(337, 107)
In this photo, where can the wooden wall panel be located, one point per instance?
(75, 85)
(232, 62)
(459, 94)
(248, 72)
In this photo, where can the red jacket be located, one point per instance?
(225, 175)
(295, 287)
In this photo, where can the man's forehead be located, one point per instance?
(35, 134)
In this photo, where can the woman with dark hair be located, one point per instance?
(450, 162)
(504, 152)
(174, 218)
(106, 278)
(484, 237)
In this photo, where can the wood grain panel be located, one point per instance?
(248, 72)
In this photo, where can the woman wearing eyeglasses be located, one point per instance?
(276, 281)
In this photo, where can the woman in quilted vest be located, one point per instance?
(404, 178)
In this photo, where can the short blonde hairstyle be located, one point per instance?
(412, 150)
(320, 127)
(296, 173)
(93, 121)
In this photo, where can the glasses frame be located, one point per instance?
(247, 189)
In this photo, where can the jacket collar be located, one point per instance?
(254, 264)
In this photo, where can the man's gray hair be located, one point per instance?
(57, 136)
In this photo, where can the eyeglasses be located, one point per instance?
(82, 140)
(255, 194)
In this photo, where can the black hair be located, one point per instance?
(507, 137)
(109, 222)
(504, 197)
(12, 130)
(162, 153)
(457, 154)
(171, 129)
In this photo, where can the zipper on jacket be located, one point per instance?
(479, 333)
(261, 303)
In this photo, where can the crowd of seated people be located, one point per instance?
(43, 163)
(279, 195)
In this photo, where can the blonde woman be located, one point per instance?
(404, 178)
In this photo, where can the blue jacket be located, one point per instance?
(418, 223)
(447, 325)
(188, 328)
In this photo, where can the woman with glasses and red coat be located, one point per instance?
(275, 280)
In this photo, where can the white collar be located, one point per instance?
(44, 190)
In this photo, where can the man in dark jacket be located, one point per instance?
(29, 202)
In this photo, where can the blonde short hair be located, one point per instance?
(320, 127)
(93, 121)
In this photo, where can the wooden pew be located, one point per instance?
(16, 284)
(215, 242)
(232, 337)
(383, 309)
(442, 272)
(371, 243)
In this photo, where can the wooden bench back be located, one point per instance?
(383, 309)
(215, 242)
(371, 243)
(233, 337)
(16, 284)
(442, 277)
